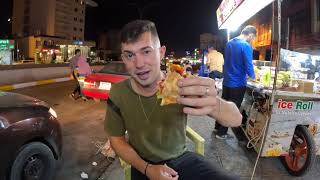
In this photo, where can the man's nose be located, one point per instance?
(139, 60)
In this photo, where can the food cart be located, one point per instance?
(281, 107)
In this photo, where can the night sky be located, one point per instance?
(179, 22)
(5, 13)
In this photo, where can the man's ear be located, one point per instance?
(162, 51)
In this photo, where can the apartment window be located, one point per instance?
(75, 19)
(26, 19)
(26, 30)
(82, 12)
(75, 9)
(77, 0)
(38, 44)
(80, 29)
(26, 10)
(74, 28)
(81, 2)
(81, 20)
(74, 38)
(50, 42)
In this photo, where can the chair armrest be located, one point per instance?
(197, 139)
(127, 169)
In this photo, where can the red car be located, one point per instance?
(98, 85)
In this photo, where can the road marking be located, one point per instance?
(23, 85)
(42, 82)
(34, 83)
(6, 88)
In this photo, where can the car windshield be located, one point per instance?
(114, 68)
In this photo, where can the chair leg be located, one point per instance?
(127, 169)
(200, 148)
(197, 139)
(127, 173)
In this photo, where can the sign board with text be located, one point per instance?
(6, 44)
(225, 10)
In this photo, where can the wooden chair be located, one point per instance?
(191, 134)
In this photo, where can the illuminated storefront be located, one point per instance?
(48, 49)
(6, 51)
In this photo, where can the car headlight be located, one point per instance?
(53, 113)
(3, 123)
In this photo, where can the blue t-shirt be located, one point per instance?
(237, 63)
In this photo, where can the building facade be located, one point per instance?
(60, 18)
(300, 28)
(108, 45)
(50, 27)
(302, 24)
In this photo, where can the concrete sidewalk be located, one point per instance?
(230, 154)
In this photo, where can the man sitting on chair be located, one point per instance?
(157, 134)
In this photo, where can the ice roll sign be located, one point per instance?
(297, 105)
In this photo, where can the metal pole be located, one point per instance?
(278, 51)
(12, 57)
(17, 52)
(274, 83)
(288, 33)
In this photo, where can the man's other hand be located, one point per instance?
(161, 172)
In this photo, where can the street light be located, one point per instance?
(9, 19)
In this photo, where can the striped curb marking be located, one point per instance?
(34, 83)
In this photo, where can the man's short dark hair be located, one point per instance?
(77, 51)
(249, 30)
(131, 32)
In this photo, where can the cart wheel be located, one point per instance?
(302, 152)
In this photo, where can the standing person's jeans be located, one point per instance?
(233, 94)
(77, 88)
(81, 78)
(191, 166)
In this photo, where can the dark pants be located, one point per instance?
(216, 74)
(77, 88)
(191, 166)
(233, 94)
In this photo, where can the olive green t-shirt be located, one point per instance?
(159, 136)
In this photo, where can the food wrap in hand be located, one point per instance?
(168, 89)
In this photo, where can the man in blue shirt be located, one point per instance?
(237, 65)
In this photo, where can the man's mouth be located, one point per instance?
(143, 75)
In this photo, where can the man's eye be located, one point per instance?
(130, 55)
(146, 52)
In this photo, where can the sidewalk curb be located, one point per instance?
(33, 83)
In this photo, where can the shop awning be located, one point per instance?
(232, 13)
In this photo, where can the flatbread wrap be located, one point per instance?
(168, 88)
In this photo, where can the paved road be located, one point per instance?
(82, 126)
